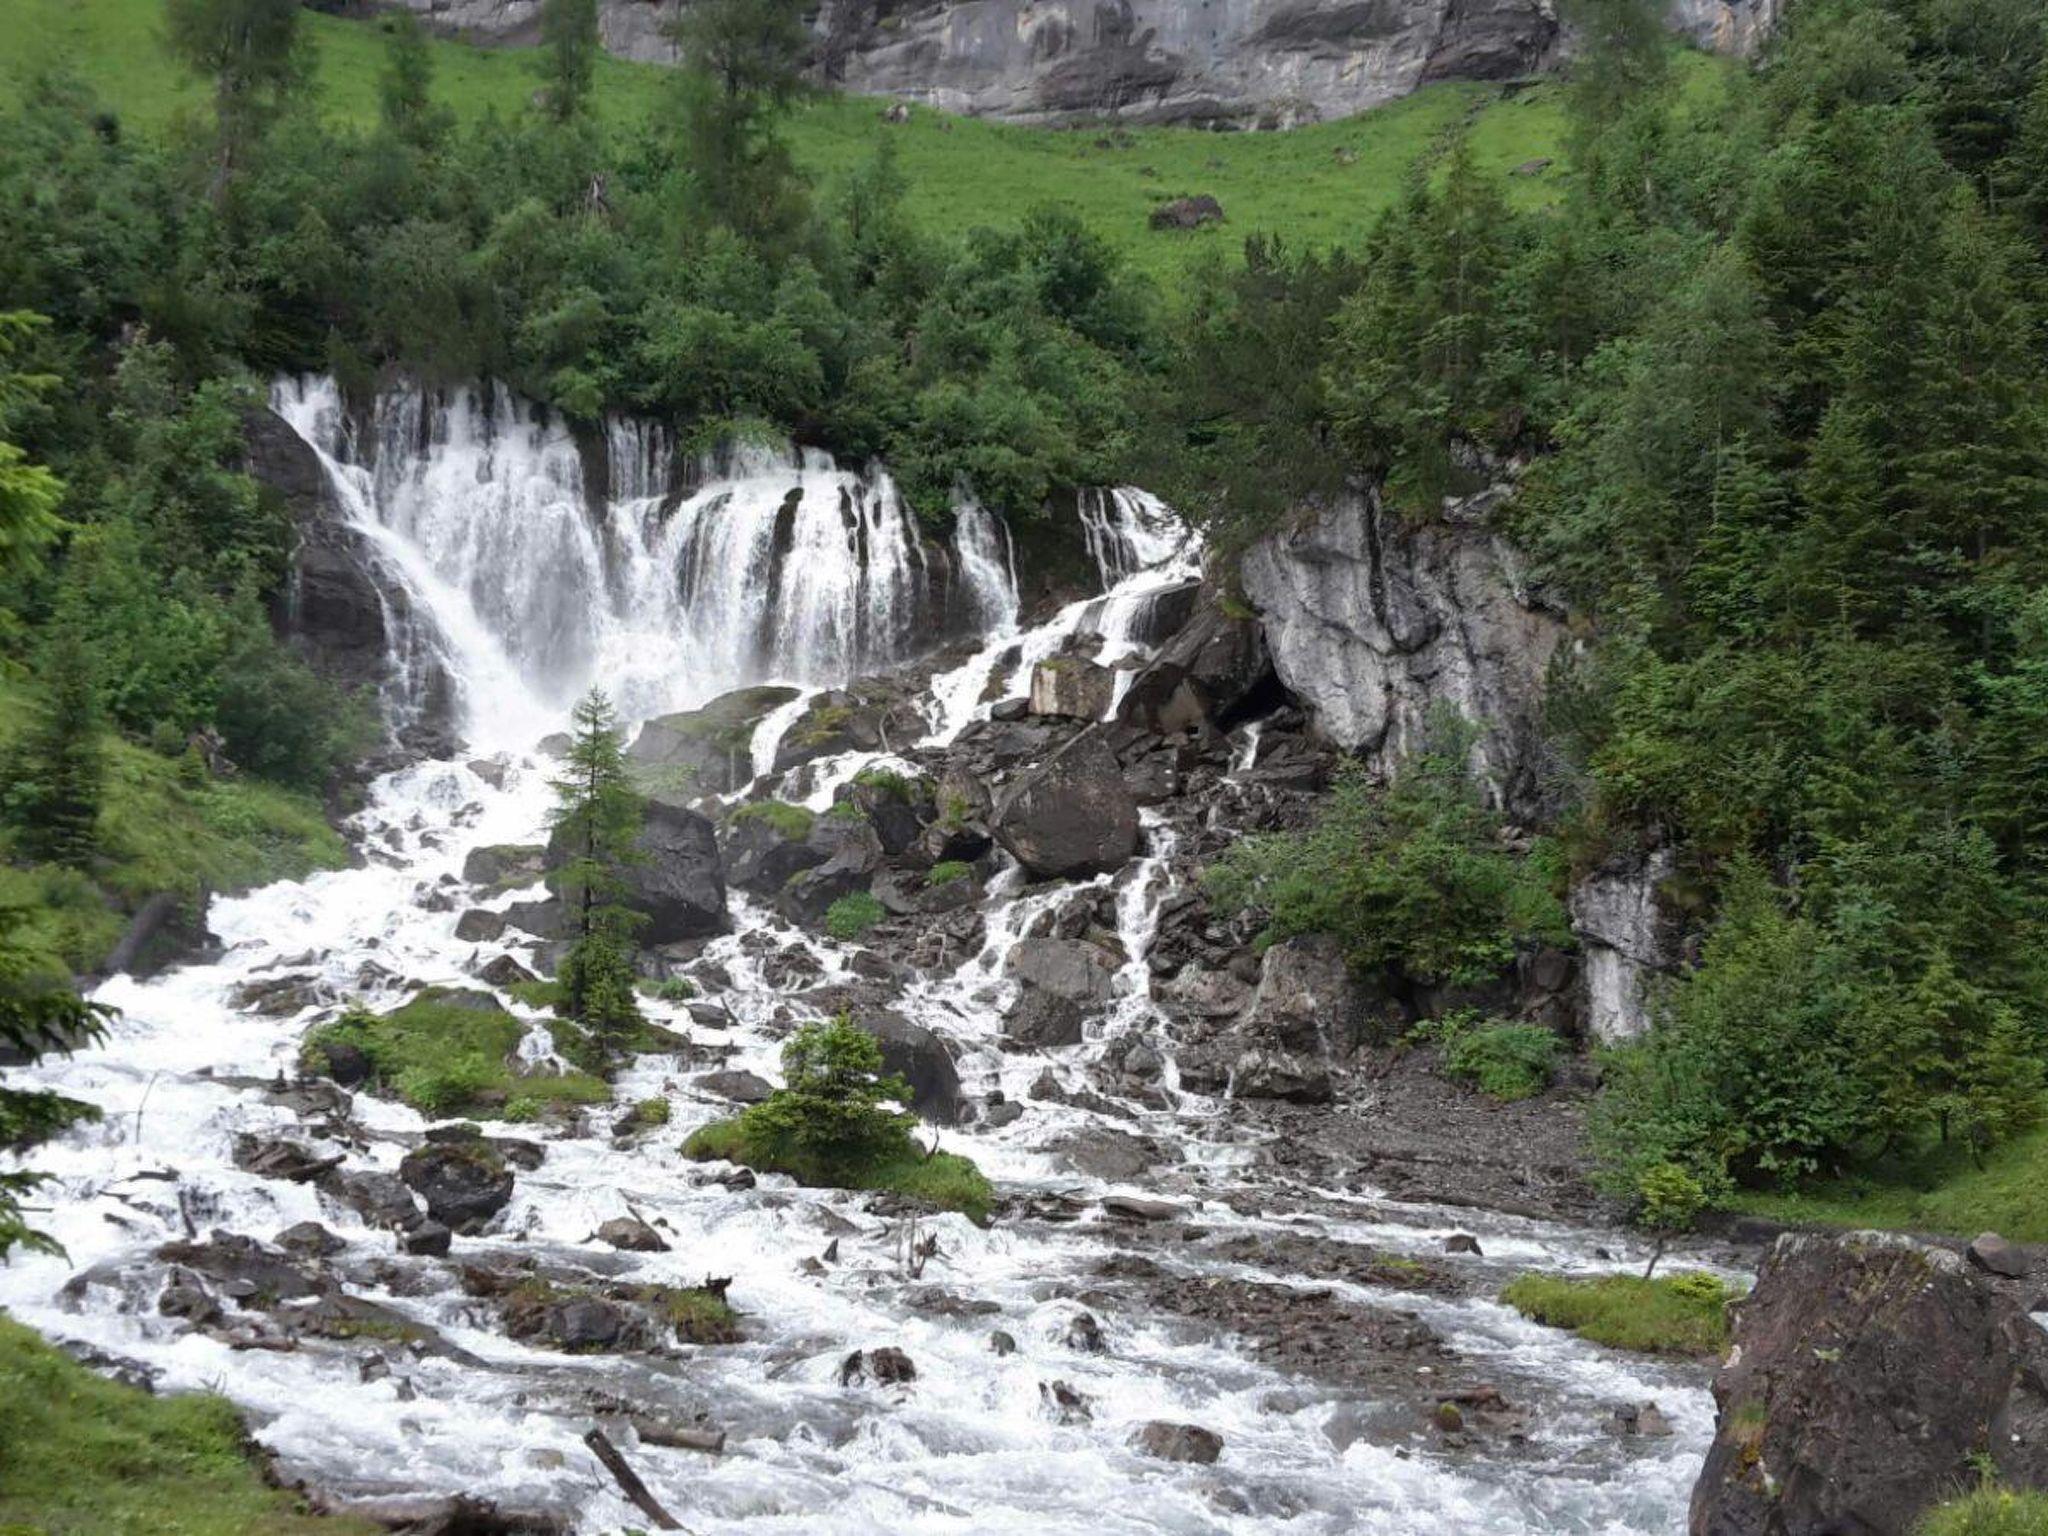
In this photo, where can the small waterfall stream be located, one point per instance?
(792, 569)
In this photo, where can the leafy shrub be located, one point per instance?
(896, 785)
(850, 917)
(1678, 1315)
(439, 1087)
(792, 822)
(946, 871)
(1412, 876)
(675, 989)
(1504, 1061)
(1989, 1511)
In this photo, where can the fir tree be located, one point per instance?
(597, 817)
(569, 50)
(405, 88)
(256, 58)
(54, 800)
(743, 63)
(40, 1012)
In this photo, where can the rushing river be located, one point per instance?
(669, 607)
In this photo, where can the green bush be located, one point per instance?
(946, 871)
(1685, 1314)
(1989, 1511)
(675, 989)
(1504, 1061)
(792, 822)
(896, 785)
(830, 1125)
(1411, 876)
(444, 1052)
(850, 917)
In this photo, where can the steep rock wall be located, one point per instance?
(1239, 62)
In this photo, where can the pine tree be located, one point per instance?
(569, 50)
(597, 817)
(57, 771)
(405, 88)
(743, 63)
(29, 492)
(40, 1012)
(255, 56)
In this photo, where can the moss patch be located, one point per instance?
(80, 1456)
(850, 917)
(944, 1180)
(446, 1052)
(1683, 1314)
(792, 822)
(947, 871)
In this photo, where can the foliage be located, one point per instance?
(597, 816)
(1685, 1314)
(56, 772)
(29, 492)
(1668, 1201)
(1504, 1060)
(85, 1456)
(943, 1180)
(947, 871)
(1989, 1510)
(40, 1012)
(1411, 877)
(792, 822)
(850, 917)
(742, 67)
(445, 1052)
(569, 51)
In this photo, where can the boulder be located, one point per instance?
(309, 1240)
(1296, 1079)
(1306, 1001)
(1103, 1152)
(1040, 1021)
(1187, 213)
(504, 971)
(1072, 687)
(629, 1234)
(478, 926)
(1628, 935)
(380, 1198)
(426, 1238)
(1070, 969)
(676, 880)
(921, 1059)
(887, 1366)
(543, 919)
(1994, 1255)
(1215, 669)
(504, 864)
(1871, 1376)
(1178, 1442)
(1071, 815)
(704, 751)
(464, 1183)
(735, 1086)
(766, 845)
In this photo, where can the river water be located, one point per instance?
(531, 601)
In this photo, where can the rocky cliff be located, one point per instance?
(1267, 63)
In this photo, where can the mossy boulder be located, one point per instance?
(704, 751)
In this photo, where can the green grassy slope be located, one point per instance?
(1317, 185)
(1940, 1190)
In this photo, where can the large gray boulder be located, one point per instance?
(1871, 1376)
(1073, 687)
(708, 750)
(921, 1059)
(463, 1182)
(1306, 1000)
(1071, 969)
(676, 879)
(1213, 667)
(1071, 815)
(1380, 627)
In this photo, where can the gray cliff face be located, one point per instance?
(1628, 937)
(1377, 627)
(1270, 63)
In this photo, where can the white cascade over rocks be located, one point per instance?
(1171, 1219)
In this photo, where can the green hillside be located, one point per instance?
(1316, 185)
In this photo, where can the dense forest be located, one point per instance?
(1767, 371)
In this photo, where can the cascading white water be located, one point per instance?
(969, 1446)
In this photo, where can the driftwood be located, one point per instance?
(679, 1437)
(629, 1481)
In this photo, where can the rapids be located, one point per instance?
(682, 589)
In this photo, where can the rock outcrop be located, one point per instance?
(1239, 62)
(1071, 815)
(1379, 626)
(1627, 935)
(676, 881)
(1871, 1376)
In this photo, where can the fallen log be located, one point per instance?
(629, 1481)
(678, 1437)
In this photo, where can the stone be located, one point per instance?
(1869, 1376)
(1178, 1442)
(504, 864)
(1463, 1242)
(292, 1161)
(1070, 969)
(463, 1183)
(1071, 815)
(1039, 1021)
(677, 878)
(887, 1366)
(1293, 1079)
(1628, 937)
(1306, 1001)
(380, 1198)
(761, 854)
(1064, 1404)
(1071, 687)
(1214, 669)
(735, 1086)
(1187, 213)
(1137, 1208)
(309, 1240)
(543, 919)
(1084, 1333)
(1001, 1343)
(921, 1059)
(426, 1238)
(1103, 1152)
(478, 926)
(708, 750)
(504, 971)
(631, 1235)
(1993, 1254)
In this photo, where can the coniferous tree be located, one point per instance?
(255, 56)
(568, 60)
(54, 799)
(405, 87)
(596, 819)
(29, 492)
(743, 66)
(40, 1012)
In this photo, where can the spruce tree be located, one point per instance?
(743, 64)
(596, 819)
(405, 88)
(569, 50)
(255, 56)
(40, 1012)
(54, 799)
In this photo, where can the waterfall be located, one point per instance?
(781, 564)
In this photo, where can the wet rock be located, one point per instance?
(921, 1059)
(937, 1301)
(129, 1373)
(1866, 1374)
(1073, 687)
(708, 750)
(478, 926)
(504, 865)
(1064, 1404)
(677, 879)
(1644, 1419)
(1001, 1343)
(584, 1323)
(381, 1199)
(1278, 1075)
(1215, 669)
(1629, 935)
(279, 997)
(426, 1238)
(765, 851)
(735, 1086)
(1070, 969)
(292, 1161)
(543, 919)
(1071, 815)
(1993, 1254)
(464, 1183)
(504, 971)
(1306, 1000)
(1136, 1208)
(1084, 1333)
(309, 1240)
(1463, 1242)
(631, 1235)
(183, 1297)
(1104, 1152)
(1039, 1021)
(887, 1366)
(242, 1268)
(853, 853)
(996, 1116)
(1178, 1442)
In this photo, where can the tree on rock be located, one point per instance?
(596, 819)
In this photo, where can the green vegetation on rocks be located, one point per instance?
(850, 917)
(1989, 1511)
(793, 822)
(1683, 1314)
(1505, 1061)
(445, 1052)
(82, 1456)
